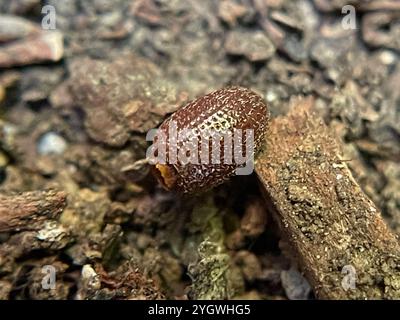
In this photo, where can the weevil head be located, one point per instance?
(166, 175)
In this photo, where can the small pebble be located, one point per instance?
(51, 143)
(255, 46)
(295, 285)
(387, 57)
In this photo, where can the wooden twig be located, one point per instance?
(337, 234)
(25, 211)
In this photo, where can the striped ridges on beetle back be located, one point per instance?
(221, 111)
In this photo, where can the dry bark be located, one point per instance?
(331, 224)
(28, 210)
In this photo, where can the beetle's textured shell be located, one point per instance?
(225, 109)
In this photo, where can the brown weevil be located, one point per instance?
(209, 140)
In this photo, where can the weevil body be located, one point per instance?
(209, 139)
